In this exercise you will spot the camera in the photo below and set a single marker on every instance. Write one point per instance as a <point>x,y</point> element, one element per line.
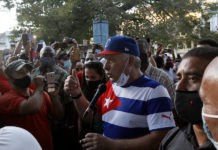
<point>167,50</point>
<point>69,40</point>
<point>96,46</point>
<point>23,56</point>
<point>60,45</point>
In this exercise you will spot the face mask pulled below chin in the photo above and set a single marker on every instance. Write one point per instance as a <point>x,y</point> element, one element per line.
<point>188,106</point>
<point>123,77</point>
<point>207,130</point>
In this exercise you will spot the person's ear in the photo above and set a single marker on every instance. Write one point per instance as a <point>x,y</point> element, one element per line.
<point>131,60</point>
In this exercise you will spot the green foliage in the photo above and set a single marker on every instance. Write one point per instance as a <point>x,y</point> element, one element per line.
<point>7,3</point>
<point>161,20</point>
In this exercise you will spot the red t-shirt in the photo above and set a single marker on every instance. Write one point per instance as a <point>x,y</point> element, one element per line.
<point>4,85</point>
<point>37,123</point>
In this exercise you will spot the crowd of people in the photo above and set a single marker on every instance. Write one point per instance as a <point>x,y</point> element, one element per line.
<point>136,99</point>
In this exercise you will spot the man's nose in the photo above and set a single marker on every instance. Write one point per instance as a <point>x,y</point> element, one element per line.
<point>181,85</point>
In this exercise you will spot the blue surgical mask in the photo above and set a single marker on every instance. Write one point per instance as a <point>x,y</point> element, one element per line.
<point>67,64</point>
<point>207,130</point>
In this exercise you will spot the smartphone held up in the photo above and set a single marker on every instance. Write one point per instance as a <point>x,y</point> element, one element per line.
<point>50,80</point>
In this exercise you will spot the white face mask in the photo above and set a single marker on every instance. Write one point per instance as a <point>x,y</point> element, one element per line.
<point>206,129</point>
<point>123,77</point>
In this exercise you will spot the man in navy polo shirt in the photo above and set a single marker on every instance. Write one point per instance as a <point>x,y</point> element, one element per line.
<point>136,111</point>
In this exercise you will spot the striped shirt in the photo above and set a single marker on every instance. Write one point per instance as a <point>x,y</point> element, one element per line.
<point>136,109</point>
<point>162,77</point>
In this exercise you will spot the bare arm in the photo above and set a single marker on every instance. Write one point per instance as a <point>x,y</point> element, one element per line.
<point>34,103</point>
<point>74,56</point>
<point>152,61</point>
<point>72,87</point>
<point>18,48</point>
<point>173,54</point>
<point>159,50</point>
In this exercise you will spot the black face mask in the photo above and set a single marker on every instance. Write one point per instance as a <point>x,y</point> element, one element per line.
<point>93,84</point>
<point>47,61</point>
<point>22,83</point>
<point>188,106</point>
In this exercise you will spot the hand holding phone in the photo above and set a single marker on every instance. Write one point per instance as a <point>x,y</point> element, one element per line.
<point>75,55</point>
<point>50,78</point>
<point>39,47</point>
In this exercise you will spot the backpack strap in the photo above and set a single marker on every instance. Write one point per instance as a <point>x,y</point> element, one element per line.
<point>168,138</point>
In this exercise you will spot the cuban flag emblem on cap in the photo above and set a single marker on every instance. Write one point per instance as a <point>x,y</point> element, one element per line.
<point>109,101</point>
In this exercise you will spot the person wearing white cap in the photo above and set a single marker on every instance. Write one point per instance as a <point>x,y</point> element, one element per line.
<point>15,138</point>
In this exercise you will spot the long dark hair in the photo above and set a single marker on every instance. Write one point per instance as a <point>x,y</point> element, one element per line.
<point>98,67</point>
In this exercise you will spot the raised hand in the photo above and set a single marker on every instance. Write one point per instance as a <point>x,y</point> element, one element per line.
<point>72,85</point>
